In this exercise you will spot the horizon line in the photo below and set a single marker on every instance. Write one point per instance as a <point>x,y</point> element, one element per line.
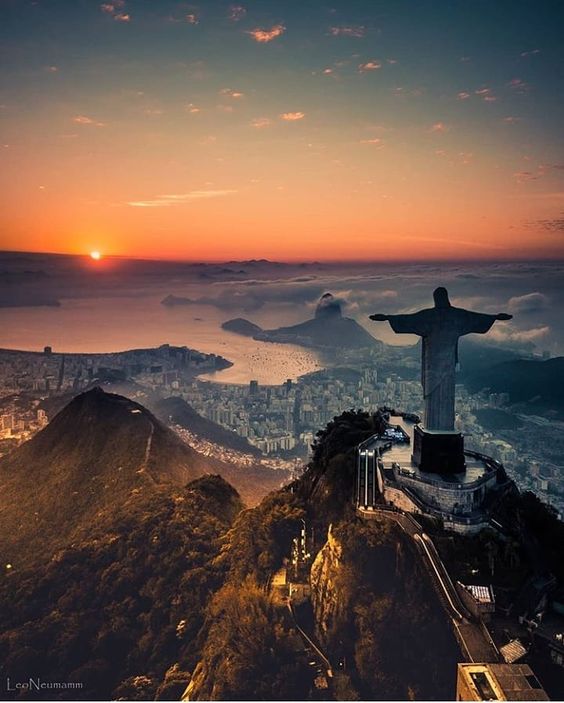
<point>306,261</point>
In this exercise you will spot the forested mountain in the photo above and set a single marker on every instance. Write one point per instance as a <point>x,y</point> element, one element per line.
<point>161,584</point>
<point>178,411</point>
<point>525,380</point>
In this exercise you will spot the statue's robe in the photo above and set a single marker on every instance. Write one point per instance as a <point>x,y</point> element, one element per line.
<point>440,329</point>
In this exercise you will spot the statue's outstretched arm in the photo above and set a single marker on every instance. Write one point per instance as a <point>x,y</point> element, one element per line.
<point>403,324</point>
<point>479,322</point>
<point>379,317</point>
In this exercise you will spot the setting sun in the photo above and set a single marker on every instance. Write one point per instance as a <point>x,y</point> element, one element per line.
<point>95,255</point>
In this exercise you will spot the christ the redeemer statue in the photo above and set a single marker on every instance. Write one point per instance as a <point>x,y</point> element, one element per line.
<point>440,327</point>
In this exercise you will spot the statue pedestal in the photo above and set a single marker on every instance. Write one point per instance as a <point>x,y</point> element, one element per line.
<point>438,452</point>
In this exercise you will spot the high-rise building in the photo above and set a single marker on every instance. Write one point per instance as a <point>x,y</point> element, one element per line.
<point>253,388</point>
<point>7,422</point>
<point>498,682</point>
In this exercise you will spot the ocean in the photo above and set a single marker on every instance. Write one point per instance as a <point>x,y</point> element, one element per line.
<point>120,323</point>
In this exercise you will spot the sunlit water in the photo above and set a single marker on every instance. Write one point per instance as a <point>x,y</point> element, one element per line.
<point>117,324</point>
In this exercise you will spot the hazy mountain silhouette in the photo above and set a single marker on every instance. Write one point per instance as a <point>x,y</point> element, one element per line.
<point>540,382</point>
<point>328,329</point>
<point>241,326</point>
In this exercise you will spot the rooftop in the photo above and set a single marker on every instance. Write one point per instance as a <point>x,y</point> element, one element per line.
<point>512,651</point>
<point>483,594</point>
<point>502,682</point>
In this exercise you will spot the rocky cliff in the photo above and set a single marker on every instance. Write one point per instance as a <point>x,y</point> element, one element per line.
<point>325,573</point>
<point>375,614</point>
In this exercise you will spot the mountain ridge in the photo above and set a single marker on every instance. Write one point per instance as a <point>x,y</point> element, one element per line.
<point>327,329</point>
<point>525,380</point>
<point>176,410</point>
<point>98,454</point>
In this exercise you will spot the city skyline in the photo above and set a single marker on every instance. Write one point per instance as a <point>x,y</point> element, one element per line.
<point>217,130</point>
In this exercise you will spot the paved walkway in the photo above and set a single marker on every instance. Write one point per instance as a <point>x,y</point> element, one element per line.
<point>473,637</point>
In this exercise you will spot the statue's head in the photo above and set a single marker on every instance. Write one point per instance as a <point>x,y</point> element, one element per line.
<point>440,296</point>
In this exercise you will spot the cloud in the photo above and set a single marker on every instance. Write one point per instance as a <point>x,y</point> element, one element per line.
<point>533,52</point>
<point>292,116</point>
<point>329,303</point>
<point>358,31</point>
<point>236,13</point>
<point>505,334</point>
<point>510,119</point>
<point>369,66</point>
<point>486,95</point>
<point>539,172</point>
<point>116,10</point>
<point>554,225</point>
<point>439,127</point>
<point>84,120</point>
<point>519,86</point>
<point>252,295</point>
<point>260,122</point>
<point>264,36</point>
<point>530,302</point>
<point>180,199</point>
<point>366,299</point>
<point>401,92</point>
<point>231,93</point>
<point>112,7</point>
<point>192,109</point>
<point>376,141</point>
<point>192,18</point>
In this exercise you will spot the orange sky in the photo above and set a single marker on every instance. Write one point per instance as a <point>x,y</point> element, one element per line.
<point>309,142</point>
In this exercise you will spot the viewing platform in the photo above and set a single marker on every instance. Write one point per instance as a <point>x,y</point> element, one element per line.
<point>386,473</point>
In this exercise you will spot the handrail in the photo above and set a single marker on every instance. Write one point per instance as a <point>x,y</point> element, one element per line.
<point>453,590</point>
<point>440,578</point>
<point>441,514</point>
<point>433,482</point>
<point>433,558</point>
